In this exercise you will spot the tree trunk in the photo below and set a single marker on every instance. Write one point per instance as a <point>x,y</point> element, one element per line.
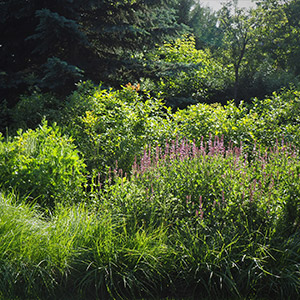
<point>236,85</point>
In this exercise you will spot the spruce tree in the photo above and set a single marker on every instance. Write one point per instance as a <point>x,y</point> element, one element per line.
<point>50,45</point>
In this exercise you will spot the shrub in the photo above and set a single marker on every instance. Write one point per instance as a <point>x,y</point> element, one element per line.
<point>235,124</point>
<point>262,123</point>
<point>110,126</point>
<point>43,165</point>
<point>278,117</point>
<point>190,75</point>
<point>32,109</point>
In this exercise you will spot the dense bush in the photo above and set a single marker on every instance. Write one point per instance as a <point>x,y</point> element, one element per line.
<point>43,165</point>
<point>190,75</point>
<point>262,123</point>
<point>32,109</point>
<point>112,127</point>
<point>277,117</point>
<point>180,214</point>
<point>235,124</point>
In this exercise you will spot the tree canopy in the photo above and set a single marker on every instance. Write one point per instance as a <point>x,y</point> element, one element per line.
<point>51,45</point>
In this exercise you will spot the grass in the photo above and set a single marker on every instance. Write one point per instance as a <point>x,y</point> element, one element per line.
<point>149,235</point>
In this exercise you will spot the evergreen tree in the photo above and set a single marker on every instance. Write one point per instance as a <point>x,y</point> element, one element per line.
<point>51,45</point>
<point>204,23</point>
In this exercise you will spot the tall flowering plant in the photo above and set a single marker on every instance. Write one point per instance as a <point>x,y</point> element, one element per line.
<point>211,183</point>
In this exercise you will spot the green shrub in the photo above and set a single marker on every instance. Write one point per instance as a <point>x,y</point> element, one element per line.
<point>43,165</point>
<point>278,117</point>
<point>114,126</point>
<point>190,75</point>
<point>261,124</point>
<point>234,124</point>
<point>32,109</point>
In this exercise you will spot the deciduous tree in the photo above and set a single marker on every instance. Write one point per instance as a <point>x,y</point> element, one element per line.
<point>239,26</point>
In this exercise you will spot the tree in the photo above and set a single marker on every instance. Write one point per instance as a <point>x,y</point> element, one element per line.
<point>201,21</point>
<point>204,23</point>
<point>282,33</point>
<point>239,26</point>
<point>51,45</point>
<point>183,10</point>
<point>190,75</point>
<point>37,38</point>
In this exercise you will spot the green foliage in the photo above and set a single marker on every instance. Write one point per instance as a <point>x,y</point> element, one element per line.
<point>58,74</point>
<point>240,36</point>
<point>234,124</point>
<point>112,127</point>
<point>193,217</point>
<point>52,28</point>
<point>281,33</point>
<point>76,251</point>
<point>32,109</point>
<point>205,25</point>
<point>202,22</point>
<point>191,75</point>
<point>167,186</point>
<point>43,165</point>
<point>264,122</point>
<point>36,255</point>
<point>51,45</point>
<point>226,216</point>
<point>278,117</point>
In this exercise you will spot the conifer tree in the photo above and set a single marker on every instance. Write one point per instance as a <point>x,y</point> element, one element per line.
<point>50,45</point>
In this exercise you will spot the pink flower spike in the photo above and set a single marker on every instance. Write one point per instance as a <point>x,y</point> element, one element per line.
<point>188,199</point>
<point>201,214</point>
<point>223,198</point>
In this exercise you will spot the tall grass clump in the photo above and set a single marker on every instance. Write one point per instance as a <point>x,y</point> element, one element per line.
<point>40,256</point>
<point>27,268</point>
<point>227,213</point>
<point>78,252</point>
